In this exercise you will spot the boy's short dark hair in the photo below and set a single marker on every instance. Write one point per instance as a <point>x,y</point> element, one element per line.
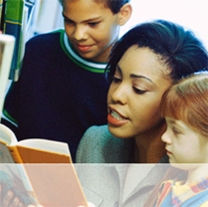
<point>113,5</point>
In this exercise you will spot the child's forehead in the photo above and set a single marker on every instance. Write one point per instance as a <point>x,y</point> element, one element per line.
<point>84,10</point>
<point>79,4</point>
<point>104,2</point>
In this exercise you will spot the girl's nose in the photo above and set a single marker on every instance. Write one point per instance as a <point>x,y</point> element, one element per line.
<point>166,136</point>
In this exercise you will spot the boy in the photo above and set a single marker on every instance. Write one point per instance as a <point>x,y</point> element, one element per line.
<point>62,88</point>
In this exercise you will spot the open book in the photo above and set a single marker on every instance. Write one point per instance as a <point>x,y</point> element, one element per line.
<point>31,150</point>
<point>51,180</point>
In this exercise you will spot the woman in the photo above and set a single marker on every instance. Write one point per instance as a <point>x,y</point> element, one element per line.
<point>143,65</point>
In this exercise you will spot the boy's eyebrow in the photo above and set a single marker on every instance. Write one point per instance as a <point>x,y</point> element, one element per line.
<point>88,20</point>
<point>65,17</point>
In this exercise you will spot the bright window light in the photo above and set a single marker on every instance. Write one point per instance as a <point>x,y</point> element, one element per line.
<point>191,14</point>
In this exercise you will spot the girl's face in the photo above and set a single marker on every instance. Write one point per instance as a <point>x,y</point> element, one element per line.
<point>183,144</point>
<point>135,93</point>
<point>91,28</point>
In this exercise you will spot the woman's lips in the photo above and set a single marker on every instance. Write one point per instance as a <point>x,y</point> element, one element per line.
<point>116,119</point>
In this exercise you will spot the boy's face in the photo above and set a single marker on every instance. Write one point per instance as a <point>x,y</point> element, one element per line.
<point>91,28</point>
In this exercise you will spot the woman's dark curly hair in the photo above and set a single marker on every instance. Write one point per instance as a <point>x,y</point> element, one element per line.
<point>180,49</point>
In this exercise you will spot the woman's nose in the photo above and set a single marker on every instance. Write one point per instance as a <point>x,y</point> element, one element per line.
<point>119,94</point>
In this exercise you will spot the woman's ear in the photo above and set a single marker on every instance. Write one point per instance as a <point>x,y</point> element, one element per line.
<point>124,14</point>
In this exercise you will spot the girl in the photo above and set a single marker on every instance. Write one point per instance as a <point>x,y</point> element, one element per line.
<point>186,138</point>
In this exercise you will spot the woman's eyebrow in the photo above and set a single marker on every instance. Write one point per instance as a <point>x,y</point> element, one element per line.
<point>141,76</point>
<point>134,75</point>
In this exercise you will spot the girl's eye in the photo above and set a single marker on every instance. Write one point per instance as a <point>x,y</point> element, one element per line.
<point>175,131</point>
<point>138,91</point>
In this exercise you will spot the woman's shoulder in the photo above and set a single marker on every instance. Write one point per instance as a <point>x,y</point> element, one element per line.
<point>98,145</point>
<point>91,144</point>
<point>97,130</point>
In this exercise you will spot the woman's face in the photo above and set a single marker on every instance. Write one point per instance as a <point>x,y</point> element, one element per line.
<point>135,93</point>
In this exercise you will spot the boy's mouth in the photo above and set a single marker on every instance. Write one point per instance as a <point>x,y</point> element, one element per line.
<point>84,48</point>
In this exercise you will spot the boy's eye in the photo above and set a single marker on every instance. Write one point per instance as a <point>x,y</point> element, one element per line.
<point>93,24</point>
<point>68,21</point>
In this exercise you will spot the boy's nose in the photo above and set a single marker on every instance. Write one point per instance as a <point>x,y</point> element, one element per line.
<point>80,33</point>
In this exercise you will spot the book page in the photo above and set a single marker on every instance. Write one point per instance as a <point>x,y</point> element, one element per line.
<point>7,136</point>
<point>5,155</point>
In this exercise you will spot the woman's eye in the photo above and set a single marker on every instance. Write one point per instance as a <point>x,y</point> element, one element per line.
<point>116,79</point>
<point>139,91</point>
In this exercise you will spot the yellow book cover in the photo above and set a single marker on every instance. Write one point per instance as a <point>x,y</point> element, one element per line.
<point>31,150</point>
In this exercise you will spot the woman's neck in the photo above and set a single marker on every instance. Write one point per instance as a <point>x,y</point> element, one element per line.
<point>149,147</point>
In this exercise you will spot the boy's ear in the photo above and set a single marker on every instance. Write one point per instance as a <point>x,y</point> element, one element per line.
<point>124,14</point>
